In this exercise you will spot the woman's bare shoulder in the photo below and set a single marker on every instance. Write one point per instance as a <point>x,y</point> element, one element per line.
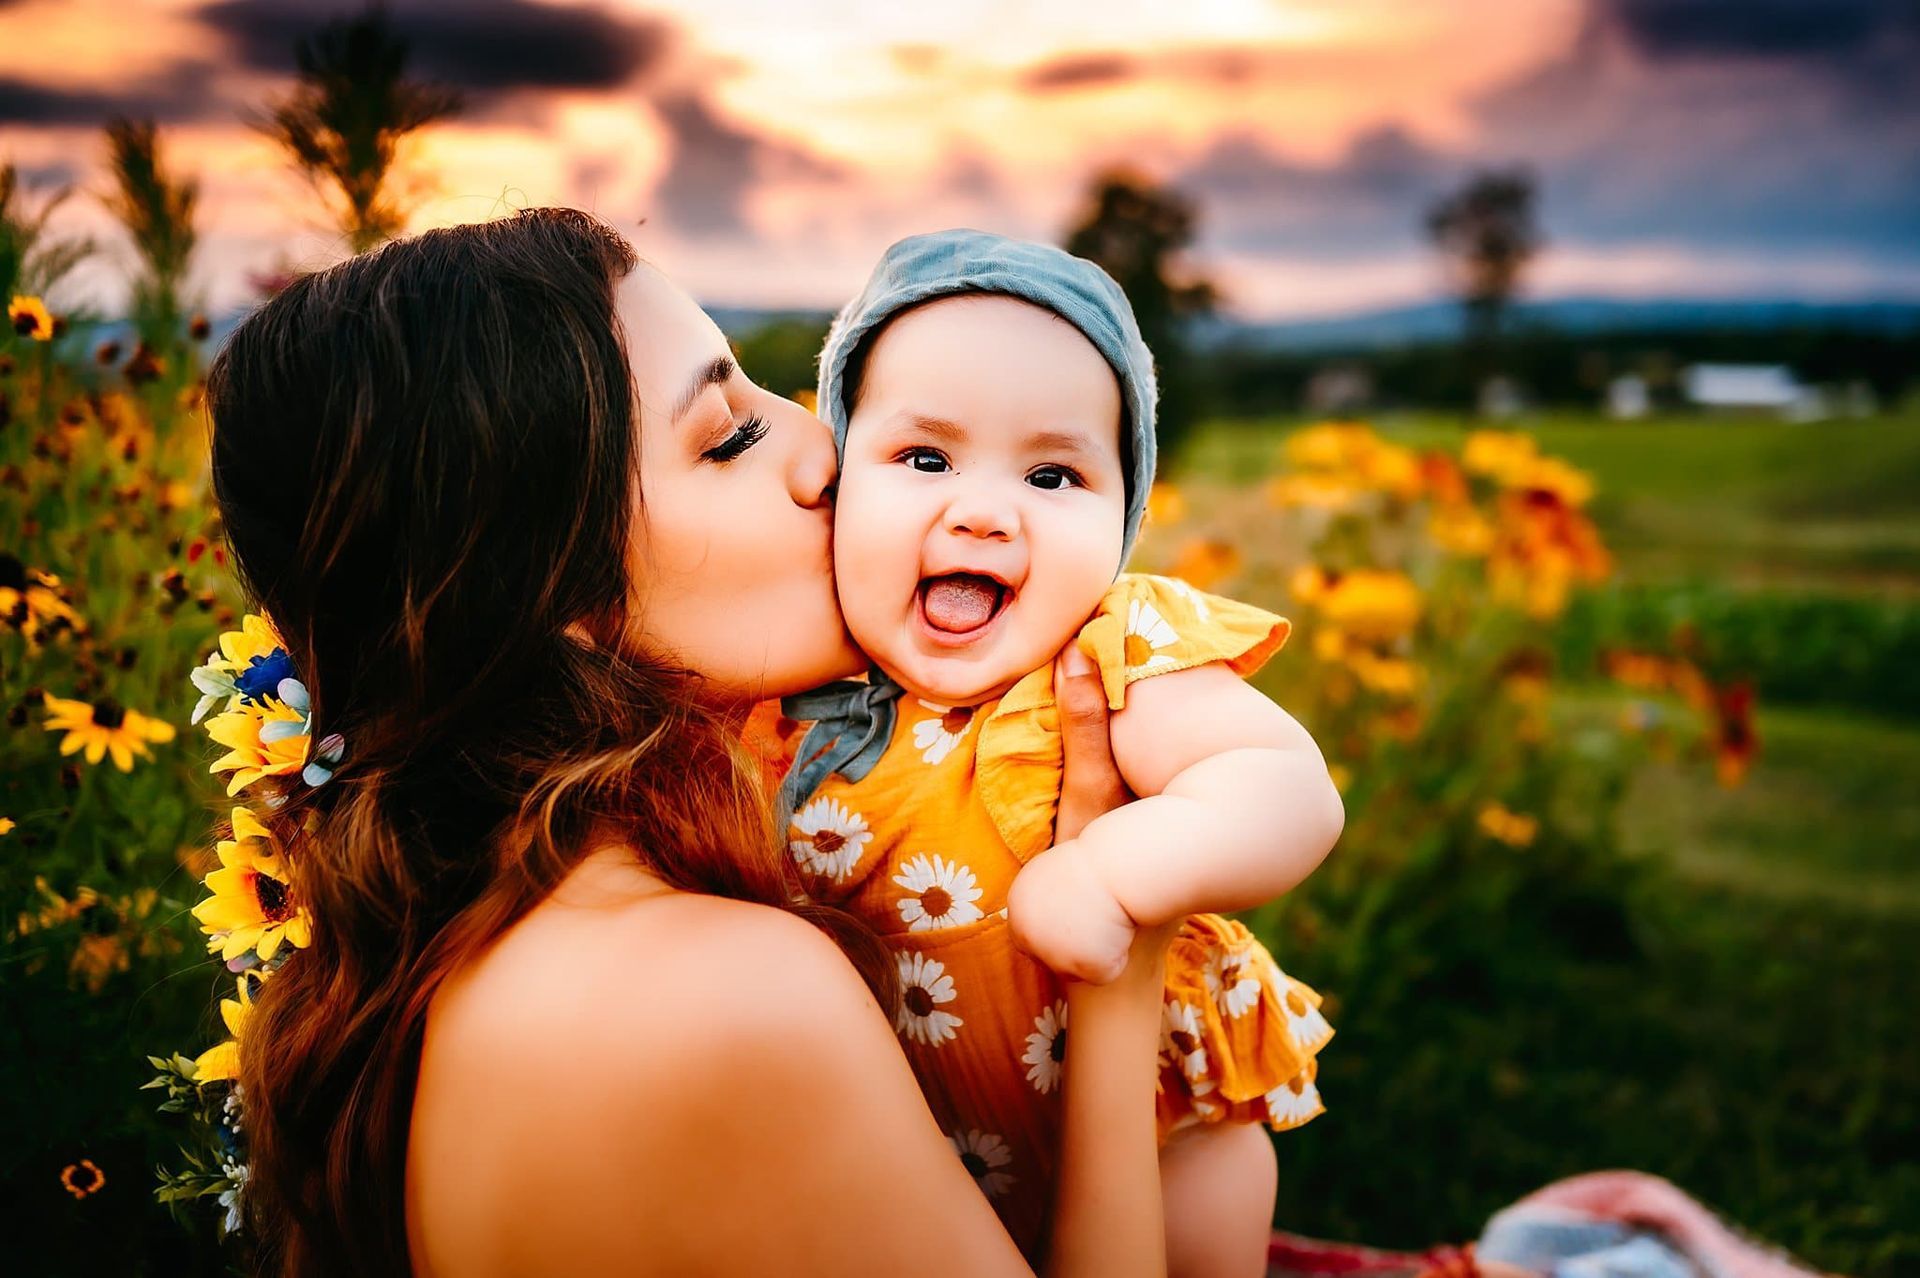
<point>665,1043</point>
<point>713,969</point>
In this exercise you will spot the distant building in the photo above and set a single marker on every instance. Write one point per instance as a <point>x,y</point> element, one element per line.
<point>1339,388</point>
<point>1500,399</point>
<point>1627,397</point>
<point>1752,388</point>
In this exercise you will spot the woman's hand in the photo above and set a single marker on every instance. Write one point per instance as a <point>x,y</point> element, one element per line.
<point>1059,909</point>
<point>1091,783</point>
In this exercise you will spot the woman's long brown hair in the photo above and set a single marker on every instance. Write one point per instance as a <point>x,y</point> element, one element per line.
<point>426,462</point>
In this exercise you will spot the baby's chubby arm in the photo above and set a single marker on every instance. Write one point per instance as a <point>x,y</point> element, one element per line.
<point>1236,809</point>
<point>1236,803</point>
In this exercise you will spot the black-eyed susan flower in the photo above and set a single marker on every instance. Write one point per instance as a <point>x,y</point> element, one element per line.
<point>31,602</point>
<point>30,318</point>
<point>82,1178</point>
<point>252,906</point>
<point>6,825</point>
<point>222,1061</point>
<point>105,727</point>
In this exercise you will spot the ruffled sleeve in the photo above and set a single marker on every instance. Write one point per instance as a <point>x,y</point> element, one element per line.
<point>1144,626</point>
<point>1148,626</point>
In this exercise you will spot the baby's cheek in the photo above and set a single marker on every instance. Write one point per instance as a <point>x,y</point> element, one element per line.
<point>874,553</point>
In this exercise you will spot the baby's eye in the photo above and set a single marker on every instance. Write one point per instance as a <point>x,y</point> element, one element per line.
<point>1054,478</point>
<point>925,460</point>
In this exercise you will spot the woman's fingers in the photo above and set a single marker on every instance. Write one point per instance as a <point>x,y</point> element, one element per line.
<point>1092,783</point>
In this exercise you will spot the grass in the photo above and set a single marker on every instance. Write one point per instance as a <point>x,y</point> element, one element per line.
<point>1753,1041</point>
<point>1822,506</point>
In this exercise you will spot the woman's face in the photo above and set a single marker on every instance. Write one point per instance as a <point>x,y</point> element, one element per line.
<point>732,559</point>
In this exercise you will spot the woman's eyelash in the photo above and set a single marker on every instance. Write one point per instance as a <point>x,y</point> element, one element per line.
<point>750,432</point>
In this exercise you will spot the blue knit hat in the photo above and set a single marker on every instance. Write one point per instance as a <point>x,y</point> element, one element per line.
<point>948,263</point>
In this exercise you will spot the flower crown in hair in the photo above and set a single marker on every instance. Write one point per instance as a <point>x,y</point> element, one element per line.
<point>253,918</point>
<point>268,723</point>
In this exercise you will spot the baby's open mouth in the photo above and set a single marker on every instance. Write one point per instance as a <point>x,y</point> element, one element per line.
<point>960,603</point>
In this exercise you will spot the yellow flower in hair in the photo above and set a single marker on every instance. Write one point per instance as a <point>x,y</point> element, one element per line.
<point>105,727</point>
<point>29,318</point>
<point>223,1060</point>
<point>249,755</point>
<point>252,906</point>
<point>255,638</point>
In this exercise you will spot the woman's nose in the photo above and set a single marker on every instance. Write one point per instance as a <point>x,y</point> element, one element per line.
<point>814,465</point>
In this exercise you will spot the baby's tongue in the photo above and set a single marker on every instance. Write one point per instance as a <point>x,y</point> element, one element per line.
<point>959,604</point>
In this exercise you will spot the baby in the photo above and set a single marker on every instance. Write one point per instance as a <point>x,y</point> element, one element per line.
<point>994,403</point>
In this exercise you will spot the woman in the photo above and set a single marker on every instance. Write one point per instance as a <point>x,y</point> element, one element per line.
<point>535,544</point>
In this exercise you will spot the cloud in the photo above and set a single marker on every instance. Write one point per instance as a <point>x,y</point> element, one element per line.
<point>716,164</point>
<point>1698,121</point>
<point>1216,65</point>
<point>1079,71</point>
<point>1254,199</point>
<point>1796,29</point>
<point>479,45</point>
<point>181,94</point>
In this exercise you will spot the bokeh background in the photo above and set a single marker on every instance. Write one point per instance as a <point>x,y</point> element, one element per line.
<point>1552,362</point>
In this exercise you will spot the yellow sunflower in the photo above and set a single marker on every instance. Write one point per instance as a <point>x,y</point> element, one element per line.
<point>252,906</point>
<point>29,318</point>
<point>249,757</point>
<point>104,727</point>
<point>223,1059</point>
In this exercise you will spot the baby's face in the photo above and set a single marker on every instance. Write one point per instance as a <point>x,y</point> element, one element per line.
<point>981,500</point>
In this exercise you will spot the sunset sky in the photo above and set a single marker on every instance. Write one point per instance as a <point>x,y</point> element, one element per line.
<point>1685,148</point>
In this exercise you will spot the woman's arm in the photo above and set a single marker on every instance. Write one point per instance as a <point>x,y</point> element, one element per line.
<point>1107,1204</point>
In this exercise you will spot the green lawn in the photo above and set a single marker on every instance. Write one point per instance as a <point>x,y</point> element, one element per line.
<point>1755,1040</point>
<point>1818,506</point>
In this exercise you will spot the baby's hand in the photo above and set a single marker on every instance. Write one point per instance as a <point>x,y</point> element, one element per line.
<point>1062,912</point>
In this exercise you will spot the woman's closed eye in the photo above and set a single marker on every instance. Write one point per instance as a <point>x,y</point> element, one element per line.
<point>743,437</point>
<point>1053,479</point>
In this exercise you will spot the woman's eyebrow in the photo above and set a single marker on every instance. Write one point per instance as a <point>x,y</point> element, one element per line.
<point>716,372</point>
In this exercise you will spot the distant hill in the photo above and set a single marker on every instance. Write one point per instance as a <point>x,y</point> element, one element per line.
<point>1440,321</point>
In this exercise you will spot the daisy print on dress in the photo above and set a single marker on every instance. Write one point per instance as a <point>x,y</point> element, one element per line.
<point>935,738</point>
<point>941,893</point>
<point>983,1154</point>
<point>1232,983</point>
<point>828,837</point>
<point>1195,600</point>
<point>1296,1100</point>
<point>1047,1048</point>
<point>924,986</point>
<point>1147,634</point>
<point>1309,1029</point>
<point>1180,1040</point>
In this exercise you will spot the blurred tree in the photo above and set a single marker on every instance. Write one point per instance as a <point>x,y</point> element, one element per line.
<point>1487,231</point>
<point>30,261</point>
<point>1137,231</point>
<point>345,120</point>
<point>157,209</point>
<point>783,354</point>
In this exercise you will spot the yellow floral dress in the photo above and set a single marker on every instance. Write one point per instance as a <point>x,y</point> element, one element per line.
<point>925,847</point>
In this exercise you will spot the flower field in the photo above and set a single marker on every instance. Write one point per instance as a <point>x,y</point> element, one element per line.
<point>1571,923</point>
